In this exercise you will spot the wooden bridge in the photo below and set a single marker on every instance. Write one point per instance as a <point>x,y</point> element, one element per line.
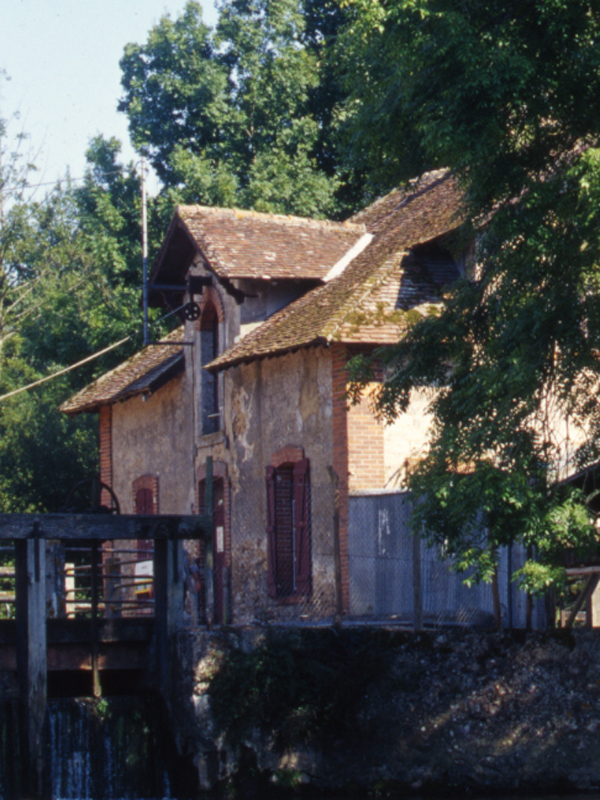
<point>95,637</point>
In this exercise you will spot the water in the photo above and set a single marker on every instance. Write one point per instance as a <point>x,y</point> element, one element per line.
<point>120,747</point>
<point>117,747</point>
<point>106,749</point>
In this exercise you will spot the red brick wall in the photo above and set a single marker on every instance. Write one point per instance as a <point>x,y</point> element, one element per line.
<point>106,459</point>
<point>340,457</point>
<point>287,455</point>
<point>365,446</point>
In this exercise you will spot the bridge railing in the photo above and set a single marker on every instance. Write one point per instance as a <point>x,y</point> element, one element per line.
<point>30,534</point>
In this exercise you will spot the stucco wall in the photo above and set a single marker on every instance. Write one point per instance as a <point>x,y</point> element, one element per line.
<point>405,439</point>
<point>154,437</point>
<point>268,405</point>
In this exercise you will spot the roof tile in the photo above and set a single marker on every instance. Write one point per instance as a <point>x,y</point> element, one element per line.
<point>138,375</point>
<point>429,208</point>
<point>246,244</point>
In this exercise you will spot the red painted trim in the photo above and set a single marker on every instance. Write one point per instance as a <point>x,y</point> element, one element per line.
<point>149,482</point>
<point>106,455</point>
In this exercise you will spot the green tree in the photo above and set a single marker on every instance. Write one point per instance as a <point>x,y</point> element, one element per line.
<point>503,93</point>
<point>69,286</point>
<point>243,115</point>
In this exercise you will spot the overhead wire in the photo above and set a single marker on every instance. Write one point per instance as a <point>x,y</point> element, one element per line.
<point>87,359</point>
<point>56,182</point>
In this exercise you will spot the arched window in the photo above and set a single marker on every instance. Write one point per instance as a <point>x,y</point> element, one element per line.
<point>145,501</point>
<point>209,349</point>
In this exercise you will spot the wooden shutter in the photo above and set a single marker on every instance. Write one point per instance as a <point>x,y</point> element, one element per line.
<point>302,526</point>
<point>271,533</point>
<point>144,501</point>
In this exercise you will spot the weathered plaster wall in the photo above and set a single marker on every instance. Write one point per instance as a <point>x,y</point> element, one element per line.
<point>405,439</point>
<point>268,405</point>
<point>154,437</point>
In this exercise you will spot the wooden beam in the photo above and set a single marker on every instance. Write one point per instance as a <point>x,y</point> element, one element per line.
<point>574,571</point>
<point>30,574</point>
<point>104,526</point>
<point>588,588</point>
<point>168,605</point>
<point>417,583</point>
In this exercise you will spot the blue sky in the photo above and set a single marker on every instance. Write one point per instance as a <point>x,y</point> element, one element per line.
<point>62,57</point>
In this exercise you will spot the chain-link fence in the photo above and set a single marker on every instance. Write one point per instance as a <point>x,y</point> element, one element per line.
<point>394,575</point>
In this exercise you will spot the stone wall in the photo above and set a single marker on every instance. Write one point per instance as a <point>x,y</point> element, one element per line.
<point>269,405</point>
<point>375,709</point>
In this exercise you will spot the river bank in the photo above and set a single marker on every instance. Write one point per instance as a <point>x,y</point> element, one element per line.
<point>379,709</point>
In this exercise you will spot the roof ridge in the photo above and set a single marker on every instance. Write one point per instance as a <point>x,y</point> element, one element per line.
<point>406,194</point>
<point>282,219</point>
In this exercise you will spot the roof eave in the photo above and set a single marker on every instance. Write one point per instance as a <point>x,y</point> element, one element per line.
<point>174,369</point>
<point>319,341</point>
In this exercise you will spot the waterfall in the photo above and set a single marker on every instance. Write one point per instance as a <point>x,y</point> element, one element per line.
<point>105,749</point>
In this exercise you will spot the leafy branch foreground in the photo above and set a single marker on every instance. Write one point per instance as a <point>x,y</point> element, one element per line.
<point>500,93</point>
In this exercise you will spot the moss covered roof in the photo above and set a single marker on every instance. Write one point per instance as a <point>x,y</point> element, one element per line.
<point>370,300</point>
<point>143,373</point>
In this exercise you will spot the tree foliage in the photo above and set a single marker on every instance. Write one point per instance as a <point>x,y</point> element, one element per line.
<point>243,115</point>
<point>69,266</point>
<point>503,94</point>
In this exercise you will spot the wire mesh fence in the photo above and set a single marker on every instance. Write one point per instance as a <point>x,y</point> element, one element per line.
<point>395,576</point>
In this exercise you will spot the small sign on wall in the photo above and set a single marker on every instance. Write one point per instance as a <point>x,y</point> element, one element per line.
<point>220,535</point>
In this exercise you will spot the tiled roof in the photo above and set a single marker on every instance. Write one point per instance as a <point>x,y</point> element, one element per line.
<point>368,301</point>
<point>143,373</point>
<point>246,244</point>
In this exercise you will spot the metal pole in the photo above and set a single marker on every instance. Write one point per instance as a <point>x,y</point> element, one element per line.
<point>145,252</point>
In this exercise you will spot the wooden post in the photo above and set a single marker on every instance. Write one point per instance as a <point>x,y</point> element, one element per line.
<point>226,596</point>
<point>30,591</point>
<point>94,621</point>
<point>168,604</point>
<point>209,559</point>
<point>496,600</point>
<point>417,582</point>
<point>529,598</point>
<point>337,552</point>
<point>509,586</point>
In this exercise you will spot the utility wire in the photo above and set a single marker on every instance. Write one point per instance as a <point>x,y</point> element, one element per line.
<point>66,369</point>
<point>86,360</point>
<point>66,179</point>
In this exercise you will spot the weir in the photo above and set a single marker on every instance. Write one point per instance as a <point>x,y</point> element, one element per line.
<point>99,640</point>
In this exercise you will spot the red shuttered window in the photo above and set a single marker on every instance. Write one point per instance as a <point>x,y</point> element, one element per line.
<point>288,530</point>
